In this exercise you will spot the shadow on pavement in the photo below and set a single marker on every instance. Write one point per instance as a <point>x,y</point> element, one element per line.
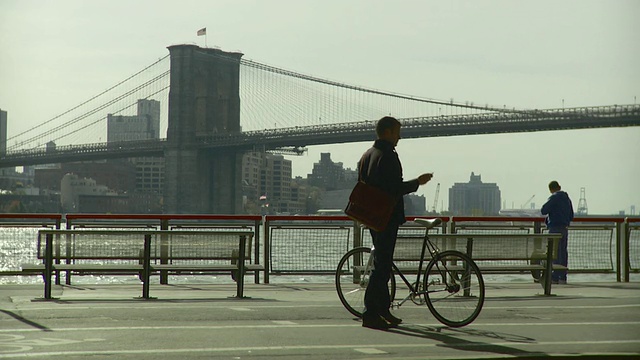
<point>25,321</point>
<point>91,294</point>
<point>451,338</point>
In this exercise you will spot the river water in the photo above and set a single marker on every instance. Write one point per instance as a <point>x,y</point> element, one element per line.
<point>18,246</point>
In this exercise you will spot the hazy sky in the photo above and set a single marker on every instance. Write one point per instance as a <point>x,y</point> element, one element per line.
<point>56,54</point>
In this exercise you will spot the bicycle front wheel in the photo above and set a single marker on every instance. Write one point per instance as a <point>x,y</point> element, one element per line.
<point>454,288</point>
<point>352,279</point>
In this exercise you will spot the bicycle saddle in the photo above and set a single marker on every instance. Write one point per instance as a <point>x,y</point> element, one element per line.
<point>428,223</point>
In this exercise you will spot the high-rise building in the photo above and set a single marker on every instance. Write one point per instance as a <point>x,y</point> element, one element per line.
<point>266,179</point>
<point>143,126</point>
<point>275,179</point>
<point>9,178</point>
<point>251,170</point>
<point>3,142</point>
<point>3,132</point>
<point>415,204</point>
<point>151,109</point>
<point>330,175</point>
<point>474,198</point>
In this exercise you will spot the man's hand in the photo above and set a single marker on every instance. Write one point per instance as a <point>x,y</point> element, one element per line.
<point>424,178</point>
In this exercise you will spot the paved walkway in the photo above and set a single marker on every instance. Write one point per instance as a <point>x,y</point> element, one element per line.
<point>307,321</point>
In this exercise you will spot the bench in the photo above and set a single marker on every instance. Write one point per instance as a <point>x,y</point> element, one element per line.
<point>493,253</point>
<point>170,222</point>
<point>143,253</point>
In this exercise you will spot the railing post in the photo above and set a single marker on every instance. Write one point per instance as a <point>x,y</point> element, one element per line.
<point>537,243</point>
<point>626,239</point>
<point>357,235</point>
<point>58,224</point>
<point>241,259</point>
<point>256,247</point>
<point>537,227</point>
<point>48,265</point>
<point>619,253</point>
<point>265,221</point>
<point>551,246</point>
<point>146,266</point>
<point>452,230</point>
<point>467,291</point>
<point>470,247</point>
<point>622,250</point>
<point>67,274</point>
<point>70,249</point>
<point>164,251</point>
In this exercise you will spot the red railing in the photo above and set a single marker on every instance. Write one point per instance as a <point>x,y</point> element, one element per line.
<point>618,226</point>
<point>627,228</point>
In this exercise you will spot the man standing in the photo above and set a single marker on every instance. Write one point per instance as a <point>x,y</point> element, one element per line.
<point>380,167</point>
<point>559,211</point>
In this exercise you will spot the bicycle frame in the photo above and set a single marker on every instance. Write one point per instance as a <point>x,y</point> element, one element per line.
<point>413,291</point>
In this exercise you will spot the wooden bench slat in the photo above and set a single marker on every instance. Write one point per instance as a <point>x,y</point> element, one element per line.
<point>193,267</point>
<point>482,268</point>
<point>32,267</point>
<point>98,267</point>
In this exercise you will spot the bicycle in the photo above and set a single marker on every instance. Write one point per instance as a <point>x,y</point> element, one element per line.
<point>452,286</point>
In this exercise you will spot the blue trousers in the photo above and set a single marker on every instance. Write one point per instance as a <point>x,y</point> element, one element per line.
<point>563,255</point>
<point>376,298</point>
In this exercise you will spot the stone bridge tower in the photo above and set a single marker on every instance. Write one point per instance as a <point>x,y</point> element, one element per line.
<point>204,98</point>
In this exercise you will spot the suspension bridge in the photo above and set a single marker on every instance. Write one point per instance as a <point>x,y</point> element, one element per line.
<point>215,106</point>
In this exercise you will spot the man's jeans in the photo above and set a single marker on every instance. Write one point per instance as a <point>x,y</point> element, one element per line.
<point>376,299</point>
<point>563,256</point>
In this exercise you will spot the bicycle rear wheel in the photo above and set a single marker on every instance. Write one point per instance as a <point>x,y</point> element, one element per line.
<point>454,288</point>
<point>352,278</point>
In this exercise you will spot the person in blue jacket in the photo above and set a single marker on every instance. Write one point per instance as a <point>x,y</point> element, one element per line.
<point>559,211</point>
<point>380,167</point>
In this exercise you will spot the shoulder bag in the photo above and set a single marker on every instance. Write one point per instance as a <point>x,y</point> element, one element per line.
<point>370,206</point>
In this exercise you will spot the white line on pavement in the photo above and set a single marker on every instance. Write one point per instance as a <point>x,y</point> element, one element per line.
<point>267,326</point>
<point>300,347</point>
<point>209,306</point>
<point>370,351</point>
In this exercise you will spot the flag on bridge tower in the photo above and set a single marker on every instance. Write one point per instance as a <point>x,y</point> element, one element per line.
<point>201,32</point>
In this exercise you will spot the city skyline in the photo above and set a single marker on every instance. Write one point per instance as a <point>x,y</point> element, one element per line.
<point>567,54</point>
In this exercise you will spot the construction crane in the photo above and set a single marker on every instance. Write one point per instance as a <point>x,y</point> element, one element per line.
<point>435,199</point>
<point>582,203</point>
<point>528,201</point>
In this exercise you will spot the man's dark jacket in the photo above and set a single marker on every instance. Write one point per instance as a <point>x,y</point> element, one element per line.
<point>559,209</point>
<point>380,167</point>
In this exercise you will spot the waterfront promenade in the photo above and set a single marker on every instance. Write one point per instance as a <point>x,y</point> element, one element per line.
<point>307,321</point>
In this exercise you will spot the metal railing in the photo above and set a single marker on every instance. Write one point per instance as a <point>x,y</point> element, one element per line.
<point>596,244</point>
<point>313,245</point>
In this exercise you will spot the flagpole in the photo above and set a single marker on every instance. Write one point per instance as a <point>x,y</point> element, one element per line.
<point>201,32</point>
